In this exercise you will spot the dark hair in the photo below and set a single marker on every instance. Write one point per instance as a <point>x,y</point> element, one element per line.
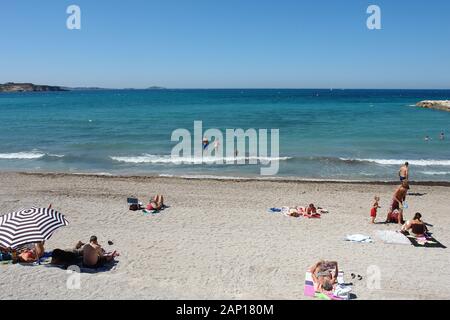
<point>63,258</point>
<point>327,286</point>
<point>417,216</point>
<point>407,163</point>
<point>57,253</point>
<point>93,238</point>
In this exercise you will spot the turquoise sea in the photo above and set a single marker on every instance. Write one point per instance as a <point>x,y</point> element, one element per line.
<point>324,134</point>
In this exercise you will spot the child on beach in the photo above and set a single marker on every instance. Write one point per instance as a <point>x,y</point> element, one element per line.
<point>375,207</point>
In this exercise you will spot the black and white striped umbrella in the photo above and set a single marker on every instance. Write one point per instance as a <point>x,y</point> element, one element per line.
<point>29,226</point>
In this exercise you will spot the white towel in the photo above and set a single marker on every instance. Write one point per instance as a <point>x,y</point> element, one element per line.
<point>359,238</point>
<point>393,237</point>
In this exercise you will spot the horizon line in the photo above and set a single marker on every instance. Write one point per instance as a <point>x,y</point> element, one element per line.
<point>158,87</point>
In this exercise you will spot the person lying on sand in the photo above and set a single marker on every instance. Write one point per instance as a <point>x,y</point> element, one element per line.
<point>324,274</point>
<point>157,203</point>
<point>309,211</point>
<point>31,253</point>
<point>68,257</point>
<point>416,225</point>
<point>94,256</point>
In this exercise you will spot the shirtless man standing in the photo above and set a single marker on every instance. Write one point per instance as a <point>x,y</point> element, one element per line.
<point>94,255</point>
<point>397,203</point>
<point>403,173</point>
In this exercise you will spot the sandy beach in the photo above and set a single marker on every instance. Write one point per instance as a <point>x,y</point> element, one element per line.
<point>217,240</point>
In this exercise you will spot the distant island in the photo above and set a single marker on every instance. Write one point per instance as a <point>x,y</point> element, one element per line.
<point>443,105</point>
<point>28,87</point>
<point>155,88</point>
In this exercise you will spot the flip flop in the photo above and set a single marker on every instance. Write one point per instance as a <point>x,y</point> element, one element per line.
<point>353,276</point>
<point>360,277</point>
<point>110,242</point>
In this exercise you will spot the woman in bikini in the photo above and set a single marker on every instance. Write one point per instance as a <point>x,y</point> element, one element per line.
<point>157,203</point>
<point>324,274</point>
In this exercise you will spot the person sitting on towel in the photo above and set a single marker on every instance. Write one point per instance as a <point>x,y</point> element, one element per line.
<point>416,225</point>
<point>157,203</point>
<point>94,255</point>
<point>311,210</point>
<point>324,274</point>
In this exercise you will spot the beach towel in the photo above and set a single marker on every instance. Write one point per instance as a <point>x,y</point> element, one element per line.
<point>150,212</point>
<point>274,210</point>
<point>427,241</point>
<point>392,237</point>
<point>313,216</point>
<point>45,259</point>
<point>106,267</point>
<point>359,238</point>
<point>341,292</point>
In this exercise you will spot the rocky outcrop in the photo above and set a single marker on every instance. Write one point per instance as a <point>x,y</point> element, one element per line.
<point>27,87</point>
<point>435,104</point>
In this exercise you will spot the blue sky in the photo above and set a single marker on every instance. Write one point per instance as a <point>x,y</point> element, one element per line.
<point>227,44</point>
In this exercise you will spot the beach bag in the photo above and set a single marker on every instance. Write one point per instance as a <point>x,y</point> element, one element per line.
<point>134,207</point>
<point>342,291</point>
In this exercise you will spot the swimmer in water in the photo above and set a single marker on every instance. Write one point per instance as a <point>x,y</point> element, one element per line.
<point>205,143</point>
<point>216,144</point>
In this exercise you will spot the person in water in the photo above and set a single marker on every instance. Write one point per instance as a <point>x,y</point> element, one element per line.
<point>375,207</point>
<point>216,145</point>
<point>205,143</point>
<point>416,225</point>
<point>403,173</point>
<point>395,213</point>
<point>324,274</point>
<point>442,136</point>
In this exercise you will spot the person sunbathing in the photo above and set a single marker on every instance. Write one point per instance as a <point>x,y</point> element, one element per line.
<point>30,254</point>
<point>157,203</point>
<point>94,256</point>
<point>68,257</point>
<point>416,225</point>
<point>294,212</point>
<point>311,210</point>
<point>324,274</point>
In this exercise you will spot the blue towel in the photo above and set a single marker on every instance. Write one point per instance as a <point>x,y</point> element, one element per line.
<point>274,210</point>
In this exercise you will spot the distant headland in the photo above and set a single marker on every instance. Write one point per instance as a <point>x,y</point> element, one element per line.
<point>443,105</point>
<point>28,87</point>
